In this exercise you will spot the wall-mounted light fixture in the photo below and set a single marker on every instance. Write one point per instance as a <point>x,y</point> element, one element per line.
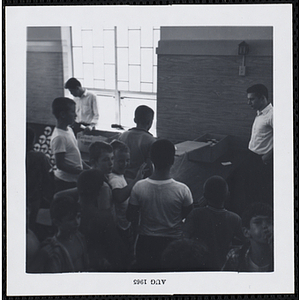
<point>243,50</point>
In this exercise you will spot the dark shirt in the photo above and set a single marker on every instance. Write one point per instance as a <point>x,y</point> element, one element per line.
<point>105,247</point>
<point>217,229</point>
<point>38,179</point>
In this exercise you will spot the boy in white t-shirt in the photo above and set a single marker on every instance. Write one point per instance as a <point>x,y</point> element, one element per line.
<point>121,190</point>
<point>64,145</point>
<point>162,204</point>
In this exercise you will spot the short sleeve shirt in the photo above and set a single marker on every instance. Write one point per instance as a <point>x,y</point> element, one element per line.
<point>161,204</point>
<point>64,141</point>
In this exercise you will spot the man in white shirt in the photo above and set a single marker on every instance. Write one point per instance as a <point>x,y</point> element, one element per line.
<point>260,160</point>
<point>86,106</point>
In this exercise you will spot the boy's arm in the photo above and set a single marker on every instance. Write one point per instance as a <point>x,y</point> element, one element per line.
<point>105,197</point>
<point>186,210</point>
<point>268,157</point>
<point>61,164</point>
<point>187,203</point>
<point>188,227</point>
<point>122,194</point>
<point>132,213</point>
<point>85,165</point>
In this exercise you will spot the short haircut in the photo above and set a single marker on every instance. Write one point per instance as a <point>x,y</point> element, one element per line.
<point>254,210</point>
<point>72,83</point>
<point>185,255</point>
<point>89,183</point>
<point>259,90</point>
<point>97,149</point>
<point>119,146</point>
<point>30,138</point>
<point>61,104</point>
<point>143,114</point>
<point>63,206</point>
<point>162,153</point>
<point>215,190</point>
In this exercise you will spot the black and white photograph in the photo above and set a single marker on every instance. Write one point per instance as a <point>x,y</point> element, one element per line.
<point>149,150</point>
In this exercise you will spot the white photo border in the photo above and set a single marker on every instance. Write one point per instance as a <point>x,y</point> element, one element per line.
<point>281,281</point>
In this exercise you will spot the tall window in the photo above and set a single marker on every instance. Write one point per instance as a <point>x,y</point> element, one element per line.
<point>120,66</point>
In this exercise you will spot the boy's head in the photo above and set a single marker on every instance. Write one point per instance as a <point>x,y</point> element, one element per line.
<point>185,255</point>
<point>259,90</point>
<point>121,156</point>
<point>65,214</point>
<point>257,222</point>
<point>101,157</point>
<point>63,108</point>
<point>74,86</point>
<point>216,191</point>
<point>143,116</point>
<point>162,154</point>
<point>257,96</point>
<point>89,184</point>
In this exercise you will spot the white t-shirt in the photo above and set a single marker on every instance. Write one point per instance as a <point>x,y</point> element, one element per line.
<point>261,141</point>
<point>161,203</point>
<point>118,182</point>
<point>64,141</point>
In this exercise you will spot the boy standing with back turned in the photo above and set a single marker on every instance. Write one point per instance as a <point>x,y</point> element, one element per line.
<point>139,141</point>
<point>162,203</point>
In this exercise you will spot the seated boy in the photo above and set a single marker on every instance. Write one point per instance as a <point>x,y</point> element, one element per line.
<point>66,251</point>
<point>64,145</point>
<point>101,158</point>
<point>139,141</point>
<point>213,224</point>
<point>106,250</point>
<point>257,254</point>
<point>162,203</point>
<point>121,190</point>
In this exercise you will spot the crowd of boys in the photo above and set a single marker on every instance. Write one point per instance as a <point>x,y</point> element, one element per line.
<point>122,211</point>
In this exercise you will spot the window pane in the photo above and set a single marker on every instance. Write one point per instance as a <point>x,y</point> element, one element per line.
<point>122,36</point>
<point>134,78</point>
<point>77,62</point>
<point>122,64</point>
<point>99,84</point>
<point>109,46</point>
<point>146,36</point>
<point>134,46</point>
<point>146,65</point>
<point>128,106</point>
<point>87,46</point>
<point>88,75</point>
<point>109,76</point>
<point>98,37</point>
<point>98,63</point>
<point>106,108</point>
